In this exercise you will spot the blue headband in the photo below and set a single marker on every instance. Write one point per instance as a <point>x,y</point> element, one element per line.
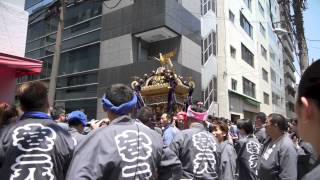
<point>122,109</point>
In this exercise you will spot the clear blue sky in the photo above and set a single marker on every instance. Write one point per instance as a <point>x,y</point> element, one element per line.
<point>312,28</point>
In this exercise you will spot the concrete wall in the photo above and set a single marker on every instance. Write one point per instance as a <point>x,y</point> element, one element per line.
<point>108,7</point>
<point>13,28</point>
<point>193,6</point>
<point>190,54</point>
<point>144,15</point>
<point>116,52</point>
<point>223,99</point>
<point>17,3</point>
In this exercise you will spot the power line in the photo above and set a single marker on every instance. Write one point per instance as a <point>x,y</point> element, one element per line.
<point>111,7</point>
<point>315,47</point>
<point>313,39</point>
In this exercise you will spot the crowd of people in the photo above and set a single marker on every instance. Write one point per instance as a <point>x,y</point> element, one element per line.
<point>37,142</point>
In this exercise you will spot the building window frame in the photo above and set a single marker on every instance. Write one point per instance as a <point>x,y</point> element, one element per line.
<point>247,55</point>
<point>261,9</point>
<point>263,30</point>
<point>273,76</point>
<point>266,98</point>
<point>275,99</point>
<point>264,52</point>
<point>265,75</point>
<point>209,47</point>
<point>249,88</point>
<point>231,16</point>
<point>210,93</point>
<point>233,52</point>
<point>234,84</point>
<point>207,5</point>
<point>248,3</point>
<point>246,26</point>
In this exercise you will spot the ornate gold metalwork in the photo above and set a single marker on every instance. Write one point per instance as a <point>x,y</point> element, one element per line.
<point>156,86</point>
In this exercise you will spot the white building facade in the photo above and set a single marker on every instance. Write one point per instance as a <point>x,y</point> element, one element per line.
<point>247,46</point>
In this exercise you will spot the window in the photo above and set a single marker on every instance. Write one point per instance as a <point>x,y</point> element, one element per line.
<point>275,99</point>
<point>263,52</point>
<point>213,2</point>
<point>86,91</point>
<point>233,52</point>
<point>83,39</point>
<point>290,106</point>
<point>208,47</point>
<point>207,5</point>
<point>210,93</point>
<point>265,98</point>
<point>231,16</point>
<point>247,55</point>
<point>82,12</point>
<point>234,84</point>
<point>249,88</point>
<point>246,26</point>
<point>261,9</point>
<point>248,3</point>
<point>77,79</point>
<point>265,75</point>
<point>272,55</point>
<point>82,59</point>
<point>279,62</point>
<point>262,30</point>
<point>89,106</point>
<point>273,76</point>
<point>80,26</point>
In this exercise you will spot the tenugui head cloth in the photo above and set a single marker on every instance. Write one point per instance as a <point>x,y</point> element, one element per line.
<point>121,109</point>
<point>200,116</point>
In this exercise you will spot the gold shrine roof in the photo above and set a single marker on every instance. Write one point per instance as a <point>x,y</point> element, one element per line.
<point>158,84</point>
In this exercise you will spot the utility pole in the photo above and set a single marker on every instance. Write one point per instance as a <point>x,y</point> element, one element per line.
<point>298,7</point>
<point>56,56</point>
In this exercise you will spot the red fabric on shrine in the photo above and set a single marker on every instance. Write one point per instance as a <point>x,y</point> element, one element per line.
<point>22,66</point>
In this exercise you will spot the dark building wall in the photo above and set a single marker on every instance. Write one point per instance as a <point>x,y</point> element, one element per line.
<point>77,82</point>
<point>153,49</point>
<point>146,15</point>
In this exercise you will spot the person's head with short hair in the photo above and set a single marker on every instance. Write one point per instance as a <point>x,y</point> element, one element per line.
<point>165,119</point>
<point>210,118</point>
<point>145,115</point>
<point>33,96</point>
<point>276,125</point>
<point>77,120</point>
<point>261,118</point>
<point>118,100</point>
<point>8,114</point>
<point>59,114</point>
<point>293,125</point>
<point>220,131</point>
<point>245,126</point>
<point>307,106</point>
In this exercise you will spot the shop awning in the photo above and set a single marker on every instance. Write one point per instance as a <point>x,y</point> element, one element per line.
<point>248,99</point>
<point>22,66</point>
